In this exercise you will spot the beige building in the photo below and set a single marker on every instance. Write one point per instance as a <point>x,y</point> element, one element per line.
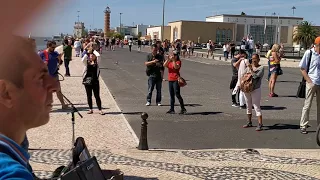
<point>156,32</point>
<point>201,32</point>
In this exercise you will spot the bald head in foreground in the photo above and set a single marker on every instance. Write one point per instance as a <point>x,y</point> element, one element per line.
<point>26,99</point>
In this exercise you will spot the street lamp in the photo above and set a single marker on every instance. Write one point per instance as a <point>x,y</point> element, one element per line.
<point>78,16</point>
<point>120,23</point>
<point>162,27</point>
<point>293,8</point>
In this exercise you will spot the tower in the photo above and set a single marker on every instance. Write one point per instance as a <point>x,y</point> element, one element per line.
<point>107,13</point>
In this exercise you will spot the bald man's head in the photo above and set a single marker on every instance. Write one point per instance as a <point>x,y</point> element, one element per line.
<point>15,59</point>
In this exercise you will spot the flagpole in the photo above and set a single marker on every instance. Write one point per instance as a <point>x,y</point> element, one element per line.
<point>265,28</point>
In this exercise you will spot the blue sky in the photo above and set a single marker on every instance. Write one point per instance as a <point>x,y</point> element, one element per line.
<point>62,15</point>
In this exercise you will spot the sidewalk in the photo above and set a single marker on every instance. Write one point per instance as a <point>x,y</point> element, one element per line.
<point>112,141</point>
<point>202,57</point>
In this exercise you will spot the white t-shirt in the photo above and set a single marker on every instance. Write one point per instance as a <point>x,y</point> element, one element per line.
<point>130,42</point>
<point>225,48</point>
<point>251,44</point>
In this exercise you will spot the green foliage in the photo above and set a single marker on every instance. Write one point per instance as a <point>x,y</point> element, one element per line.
<point>305,34</point>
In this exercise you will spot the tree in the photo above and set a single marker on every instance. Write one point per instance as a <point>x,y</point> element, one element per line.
<point>243,13</point>
<point>85,33</point>
<point>305,34</point>
<point>115,35</point>
<point>139,35</point>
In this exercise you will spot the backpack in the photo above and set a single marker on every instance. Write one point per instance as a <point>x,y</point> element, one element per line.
<point>246,83</point>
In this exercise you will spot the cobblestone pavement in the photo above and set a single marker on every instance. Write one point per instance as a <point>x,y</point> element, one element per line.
<point>200,56</point>
<point>112,141</point>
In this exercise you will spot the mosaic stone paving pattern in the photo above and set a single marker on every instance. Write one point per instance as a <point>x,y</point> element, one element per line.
<point>61,157</point>
<point>243,156</point>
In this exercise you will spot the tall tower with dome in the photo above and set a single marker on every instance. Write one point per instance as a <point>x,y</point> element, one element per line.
<point>107,13</point>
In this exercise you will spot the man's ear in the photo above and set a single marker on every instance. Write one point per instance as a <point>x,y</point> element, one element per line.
<point>5,96</point>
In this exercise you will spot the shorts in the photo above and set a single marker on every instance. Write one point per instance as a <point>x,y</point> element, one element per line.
<point>233,82</point>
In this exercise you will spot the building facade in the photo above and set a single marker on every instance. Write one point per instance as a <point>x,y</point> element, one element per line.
<point>138,30</point>
<point>266,29</point>
<point>156,32</point>
<point>201,32</point>
<point>78,29</point>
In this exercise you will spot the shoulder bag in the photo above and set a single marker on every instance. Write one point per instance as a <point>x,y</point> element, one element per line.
<point>301,93</point>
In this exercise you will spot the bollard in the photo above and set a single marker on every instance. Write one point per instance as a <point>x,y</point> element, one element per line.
<point>207,56</point>
<point>143,142</point>
<point>220,58</point>
<point>212,56</point>
<point>202,55</point>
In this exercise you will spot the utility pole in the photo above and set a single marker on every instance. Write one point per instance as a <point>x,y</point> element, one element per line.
<point>162,27</point>
<point>120,23</point>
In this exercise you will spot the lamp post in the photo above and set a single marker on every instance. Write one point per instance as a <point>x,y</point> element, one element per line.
<point>120,22</point>
<point>273,14</point>
<point>78,16</point>
<point>293,8</point>
<point>162,27</point>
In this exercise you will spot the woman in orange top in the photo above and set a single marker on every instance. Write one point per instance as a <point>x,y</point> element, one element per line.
<point>173,64</point>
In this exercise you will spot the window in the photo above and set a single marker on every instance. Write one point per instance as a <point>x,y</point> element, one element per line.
<point>218,35</point>
<point>223,36</point>
<point>254,20</point>
<point>228,19</point>
<point>245,20</point>
<point>288,21</point>
<point>257,32</point>
<point>229,35</point>
<point>237,19</point>
<point>280,21</point>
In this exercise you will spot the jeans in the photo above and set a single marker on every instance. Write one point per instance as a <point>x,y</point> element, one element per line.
<point>174,90</point>
<point>66,65</point>
<point>95,87</point>
<point>253,98</point>
<point>153,81</point>
<point>250,51</point>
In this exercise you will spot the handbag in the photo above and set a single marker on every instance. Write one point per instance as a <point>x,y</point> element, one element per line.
<point>301,93</point>
<point>246,84</point>
<point>87,81</point>
<point>181,81</point>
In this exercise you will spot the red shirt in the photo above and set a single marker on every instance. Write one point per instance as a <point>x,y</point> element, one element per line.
<point>173,73</point>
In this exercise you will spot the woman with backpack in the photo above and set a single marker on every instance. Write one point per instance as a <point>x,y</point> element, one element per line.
<point>250,85</point>
<point>90,81</point>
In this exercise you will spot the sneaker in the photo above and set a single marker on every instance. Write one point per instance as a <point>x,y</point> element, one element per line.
<point>159,104</point>
<point>303,131</point>
<point>183,111</point>
<point>148,104</point>
<point>235,105</point>
<point>171,112</point>
<point>259,128</point>
<point>249,124</point>
<point>243,107</point>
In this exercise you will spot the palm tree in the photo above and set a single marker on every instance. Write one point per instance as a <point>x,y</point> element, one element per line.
<point>305,34</point>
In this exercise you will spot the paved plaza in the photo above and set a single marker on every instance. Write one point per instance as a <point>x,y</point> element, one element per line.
<point>207,143</point>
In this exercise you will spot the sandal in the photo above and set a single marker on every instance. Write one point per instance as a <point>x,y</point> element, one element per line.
<point>101,113</point>
<point>90,112</point>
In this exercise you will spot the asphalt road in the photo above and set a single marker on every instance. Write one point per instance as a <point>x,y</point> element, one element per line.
<point>211,121</point>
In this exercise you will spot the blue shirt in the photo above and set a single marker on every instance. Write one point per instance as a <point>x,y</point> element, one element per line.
<point>52,62</point>
<point>314,70</point>
<point>15,165</point>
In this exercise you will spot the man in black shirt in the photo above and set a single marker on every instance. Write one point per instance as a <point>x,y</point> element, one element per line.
<point>154,65</point>
<point>233,49</point>
<point>139,45</point>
